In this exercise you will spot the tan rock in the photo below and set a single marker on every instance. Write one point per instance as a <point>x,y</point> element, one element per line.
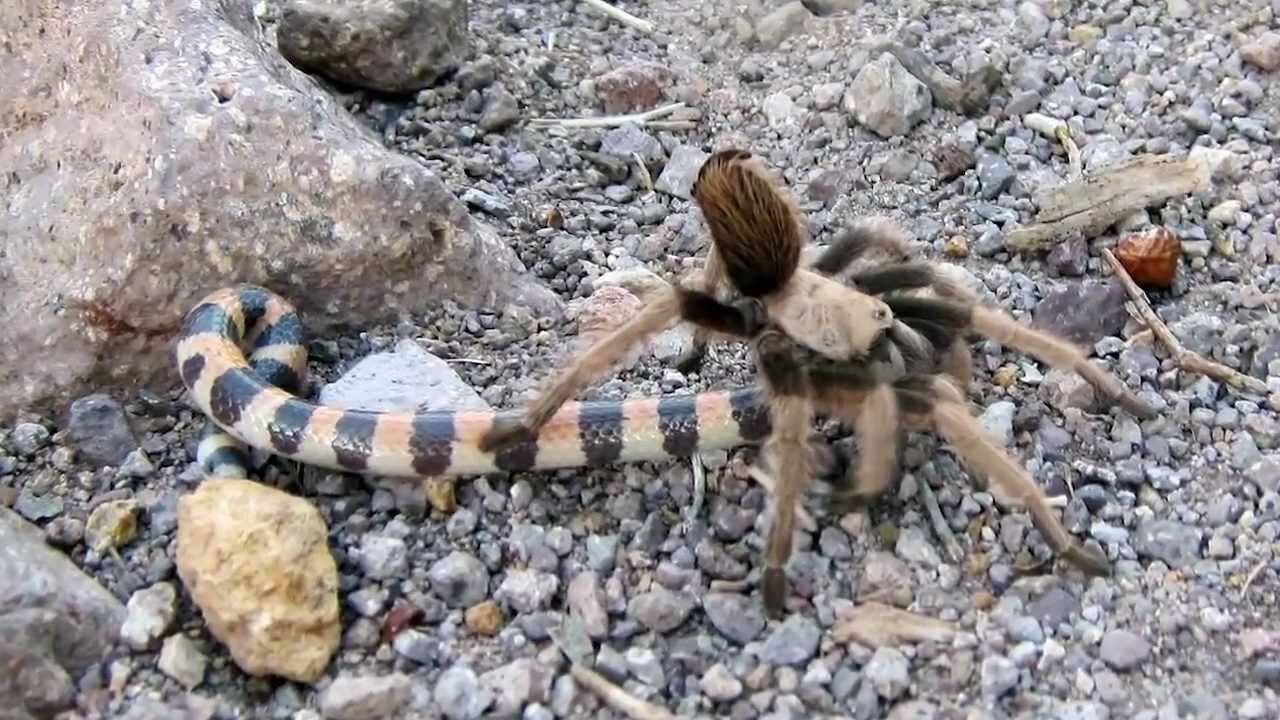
<point>1264,51</point>
<point>256,561</point>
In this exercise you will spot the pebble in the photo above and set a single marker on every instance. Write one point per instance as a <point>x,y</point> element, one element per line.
<point>888,672</point>
<point>150,613</point>
<point>459,695</point>
<point>792,643</point>
<point>719,684</point>
<point>999,676</point>
<point>660,610</point>
<point>737,617</point>
<point>27,438</point>
<point>363,697</point>
<point>459,579</point>
<point>181,660</point>
<point>1124,650</point>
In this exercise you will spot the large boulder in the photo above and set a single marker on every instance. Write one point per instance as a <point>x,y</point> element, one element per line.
<point>55,621</point>
<point>154,151</point>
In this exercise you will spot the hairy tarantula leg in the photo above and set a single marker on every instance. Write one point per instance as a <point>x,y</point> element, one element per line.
<point>1008,477</point>
<point>657,315</point>
<point>858,240</point>
<point>877,425</point>
<point>1060,353</point>
<point>711,281</point>
<point>744,318</point>
<point>788,448</point>
<point>898,276</point>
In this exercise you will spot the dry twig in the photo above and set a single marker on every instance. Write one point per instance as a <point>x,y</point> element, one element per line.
<point>1187,360</point>
<point>1094,202</point>
<point>621,16</point>
<point>649,119</point>
<point>616,697</point>
<point>939,523</point>
<point>1063,134</point>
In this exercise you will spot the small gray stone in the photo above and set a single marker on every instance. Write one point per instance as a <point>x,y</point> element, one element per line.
<point>1175,544</point>
<point>645,666</point>
<point>417,645</point>
<point>397,46</point>
<point>994,174</point>
<point>737,617</point>
<point>27,438</point>
<point>888,672</point>
<point>527,590</point>
<point>523,165</point>
<point>501,108</point>
<point>793,642</point>
<point>182,661</point>
<point>149,614</point>
<point>622,142</point>
<point>997,419</point>
<point>680,172</point>
<point>136,465</point>
<point>999,676</point>
<point>99,429</point>
<point>602,551</point>
<point>886,98</point>
<point>383,557</point>
<point>1064,389</point>
<point>782,23</point>
<point>365,697</point>
<point>660,610</point>
<point>585,599</point>
<point>719,684</point>
<point>1124,650</point>
<point>516,684</point>
<point>406,378</point>
<point>459,579</point>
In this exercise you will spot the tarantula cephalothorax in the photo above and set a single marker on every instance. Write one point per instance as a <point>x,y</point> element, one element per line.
<point>876,354</point>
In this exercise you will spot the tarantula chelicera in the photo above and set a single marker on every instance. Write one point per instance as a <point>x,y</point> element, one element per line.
<point>885,353</point>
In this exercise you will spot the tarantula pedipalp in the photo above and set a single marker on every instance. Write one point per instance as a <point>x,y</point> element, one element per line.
<point>872,355</point>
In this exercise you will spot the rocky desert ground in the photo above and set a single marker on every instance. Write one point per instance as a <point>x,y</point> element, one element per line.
<point>948,117</point>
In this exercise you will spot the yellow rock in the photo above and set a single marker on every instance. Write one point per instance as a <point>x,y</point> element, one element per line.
<point>484,618</point>
<point>956,246</point>
<point>1085,35</point>
<point>1006,376</point>
<point>111,525</point>
<point>440,493</point>
<point>257,563</point>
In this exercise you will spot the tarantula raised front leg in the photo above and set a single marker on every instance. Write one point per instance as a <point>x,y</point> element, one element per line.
<point>673,304</point>
<point>712,282</point>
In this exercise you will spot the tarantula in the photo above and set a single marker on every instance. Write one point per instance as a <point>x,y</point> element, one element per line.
<point>876,354</point>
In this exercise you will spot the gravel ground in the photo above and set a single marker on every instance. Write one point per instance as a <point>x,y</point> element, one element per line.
<point>1187,505</point>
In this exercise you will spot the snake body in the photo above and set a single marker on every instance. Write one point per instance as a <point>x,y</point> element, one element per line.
<point>242,356</point>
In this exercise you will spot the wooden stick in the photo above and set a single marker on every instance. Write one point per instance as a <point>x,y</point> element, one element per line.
<point>1188,360</point>
<point>621,16</point>
<point>939,523</point>
<point>647,119</point>
<point>1094,202</point>
<point>616,697</point>
<point>1063,134</point>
